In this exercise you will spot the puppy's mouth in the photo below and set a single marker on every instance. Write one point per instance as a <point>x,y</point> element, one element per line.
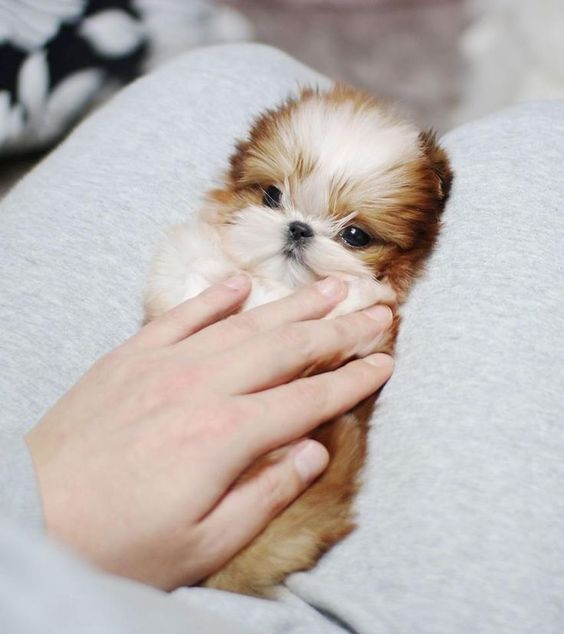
<point>295,253</point>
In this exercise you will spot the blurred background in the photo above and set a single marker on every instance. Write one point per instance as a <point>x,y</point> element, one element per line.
<point>407,50</point>
<point>444,61</point>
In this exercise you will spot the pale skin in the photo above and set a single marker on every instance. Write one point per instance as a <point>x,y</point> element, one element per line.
<point>138,463</point>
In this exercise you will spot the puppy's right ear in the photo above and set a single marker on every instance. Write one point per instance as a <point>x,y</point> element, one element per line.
<point>438,161</point>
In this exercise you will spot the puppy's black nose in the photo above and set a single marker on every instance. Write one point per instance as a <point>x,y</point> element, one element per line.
<point>299,231</point>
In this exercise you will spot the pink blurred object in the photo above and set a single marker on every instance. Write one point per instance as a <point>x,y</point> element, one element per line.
<point>351,4</point>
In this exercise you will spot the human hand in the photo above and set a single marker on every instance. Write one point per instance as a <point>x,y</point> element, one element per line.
<point>138,463</point>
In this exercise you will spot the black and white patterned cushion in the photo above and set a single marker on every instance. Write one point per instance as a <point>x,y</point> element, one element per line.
<point>56,56</point>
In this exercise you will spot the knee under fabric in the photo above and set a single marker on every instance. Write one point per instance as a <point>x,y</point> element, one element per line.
<point>459,512</point>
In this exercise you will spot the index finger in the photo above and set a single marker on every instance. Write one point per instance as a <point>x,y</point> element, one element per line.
<point>309,302</point>
<point>295,409</point>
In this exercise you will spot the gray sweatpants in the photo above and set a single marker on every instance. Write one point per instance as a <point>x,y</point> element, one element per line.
<point>462,510</point>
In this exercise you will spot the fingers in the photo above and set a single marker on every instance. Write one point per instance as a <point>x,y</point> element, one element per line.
<point>213,304</point>
<point>293,410</point>
<point>278,356</point>
<point>260,496</point>
<point>309,302</point>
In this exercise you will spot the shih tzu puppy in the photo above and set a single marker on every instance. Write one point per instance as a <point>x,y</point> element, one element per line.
<point>330,183</point>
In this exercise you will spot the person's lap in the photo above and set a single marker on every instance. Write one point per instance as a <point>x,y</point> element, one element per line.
<point>460,513</point>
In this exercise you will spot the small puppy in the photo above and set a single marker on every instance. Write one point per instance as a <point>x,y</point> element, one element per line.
<point>330,183</point>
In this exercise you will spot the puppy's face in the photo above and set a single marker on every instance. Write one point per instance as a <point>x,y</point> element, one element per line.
<point>333,183</point>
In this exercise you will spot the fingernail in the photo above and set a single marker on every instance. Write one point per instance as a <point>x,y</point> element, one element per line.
<point>310,459</point>
<point>330,287</point>
<point>237,282</point>
<point>380,313</point>
<point>380,360</point>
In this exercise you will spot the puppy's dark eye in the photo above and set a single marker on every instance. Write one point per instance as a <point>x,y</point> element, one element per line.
<point>355,237</point>
<point>272,197</point>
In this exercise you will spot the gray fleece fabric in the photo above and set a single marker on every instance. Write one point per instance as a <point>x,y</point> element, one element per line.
<point>461,516</point>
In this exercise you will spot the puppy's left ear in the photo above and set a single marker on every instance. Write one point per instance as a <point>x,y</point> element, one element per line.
<point>439,163</point>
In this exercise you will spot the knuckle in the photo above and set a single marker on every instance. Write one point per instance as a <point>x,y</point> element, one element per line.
<point>273,492</point>
<point>246,323</point>
<point>296,337</point>
<point>342,329</point>
<point>206,428</point>
<point>209,538</point>
<point>227,420</point>
<point>310,299</point>
<point>193,374</point>
<point>360,329</point>
<point>172,434</point>
<point>363,325</point>
<point>363,373</point>
<point>386,365</point>
<point>311,391</point>
<point>366,373</point>
<point>178,381</point>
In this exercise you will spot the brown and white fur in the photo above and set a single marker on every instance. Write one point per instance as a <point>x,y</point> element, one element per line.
<point>338,161</point>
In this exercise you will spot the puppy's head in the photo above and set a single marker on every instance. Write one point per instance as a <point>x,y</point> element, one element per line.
<point>333,183</point>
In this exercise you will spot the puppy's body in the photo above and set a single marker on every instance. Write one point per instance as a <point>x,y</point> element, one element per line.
<point>329,184</point>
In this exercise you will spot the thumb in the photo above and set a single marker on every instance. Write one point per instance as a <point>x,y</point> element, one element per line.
<point>261,495</point>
